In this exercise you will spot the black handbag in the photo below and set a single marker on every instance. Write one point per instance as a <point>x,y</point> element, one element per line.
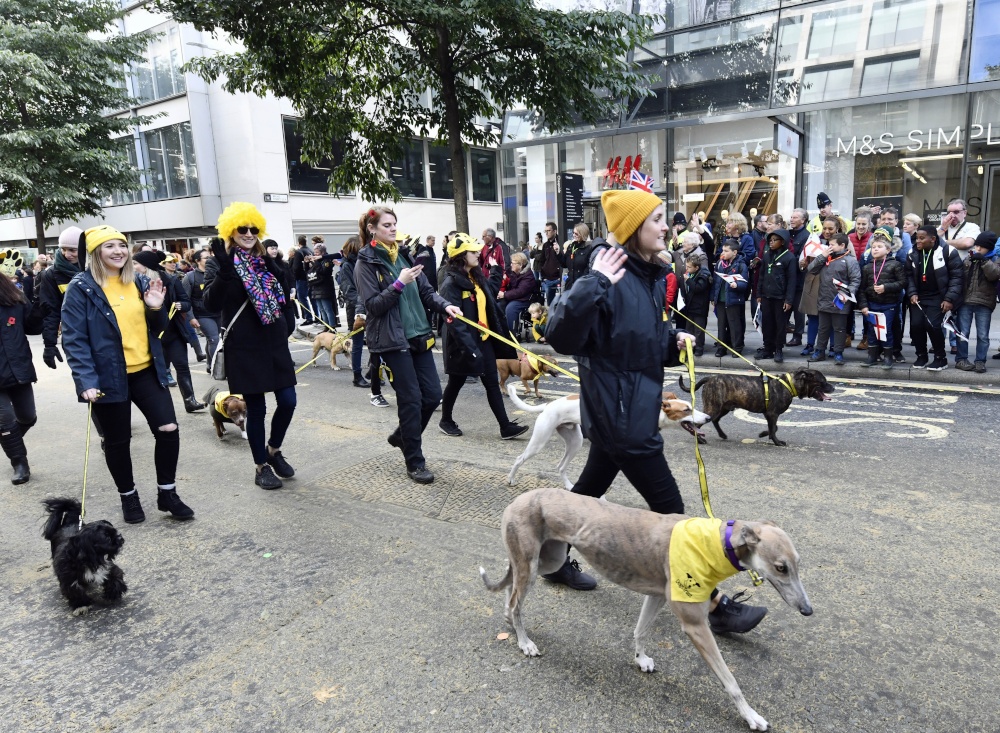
<point>218,368</point>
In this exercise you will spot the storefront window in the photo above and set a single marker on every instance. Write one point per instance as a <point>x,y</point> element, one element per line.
<point>439,165</point>
<point>834,32</point>
<point>169,151</point>
<point>724,68</point>
<point>483,167</point>
<point>307,177</point>
<point>407,172</point>
<point>985,63</point>
<point>159,75</point>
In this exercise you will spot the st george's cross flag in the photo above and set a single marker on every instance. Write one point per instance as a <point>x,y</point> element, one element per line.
<point>878,324</point>
<point>949,325</point>
<point>639,181</point>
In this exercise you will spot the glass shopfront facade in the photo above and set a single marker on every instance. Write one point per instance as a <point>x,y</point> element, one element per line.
<point>888,101</point>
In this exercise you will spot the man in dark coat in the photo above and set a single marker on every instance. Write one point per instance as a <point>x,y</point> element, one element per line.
<point>778,275</point>
<point>322,291</point>
<point>52,285</point>
<point>934,275</point>
<point>301,277</point>
<point>549,261</point>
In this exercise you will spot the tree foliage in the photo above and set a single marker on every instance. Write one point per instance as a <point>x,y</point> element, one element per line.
<point>357,71</point>
<point>58,77</point>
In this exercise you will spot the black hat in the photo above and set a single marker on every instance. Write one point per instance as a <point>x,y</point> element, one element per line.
<point>986,240</point>
<point>679,218</point>
<point>150,259</point>
<point>823,200</point>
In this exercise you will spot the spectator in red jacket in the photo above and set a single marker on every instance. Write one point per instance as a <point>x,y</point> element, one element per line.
<point>862,232</point>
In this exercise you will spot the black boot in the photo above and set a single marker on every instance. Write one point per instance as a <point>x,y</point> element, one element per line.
<point>874,352</point>
<point>191,404</point>
<point>12,442</point>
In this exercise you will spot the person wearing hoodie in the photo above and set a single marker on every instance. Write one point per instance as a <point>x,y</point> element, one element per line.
<point>934,277</point>
<point>834,265</point>
<point>730,297</point>
<point>696,286</point>
<point>52,286</point>
<point>776,293</point>
<point>980,298</point>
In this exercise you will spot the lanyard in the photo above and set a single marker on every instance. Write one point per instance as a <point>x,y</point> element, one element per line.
<point>927,256</point>
<point>775,261</point>
<point>879,271</point>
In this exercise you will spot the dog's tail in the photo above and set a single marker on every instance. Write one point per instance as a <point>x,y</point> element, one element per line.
<point>62,512</point>
<point>697,385</point>
<point>503,583</point>
<point>209,397</point>
<point>519,403</point>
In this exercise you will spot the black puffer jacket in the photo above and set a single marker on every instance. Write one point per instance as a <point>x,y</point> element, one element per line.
<point>779,271</point>
<point>891,274</point>
<point>373,279</point>
<point>947,267</point>
<point>622,340</point>
<point>319,274</point>
<point>461,341</point>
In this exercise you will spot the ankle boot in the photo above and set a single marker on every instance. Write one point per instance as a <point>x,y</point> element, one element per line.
<point>12,442</point>
<point>187,391</point>
<point>874,352</point>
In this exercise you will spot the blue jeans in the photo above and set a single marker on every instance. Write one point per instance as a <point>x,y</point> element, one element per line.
<point>548,289</point>
<point>891,314</point>
<point>983,314</point>
<point>513,311</point>
<point>323,308</point>
<point>302,295</point>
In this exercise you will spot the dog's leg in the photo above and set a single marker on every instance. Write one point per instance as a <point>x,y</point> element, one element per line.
<point>573,435</point>
<point>316,348</point>
<point>114,585</point>
<point>333,361</point>
<point>772,430</point>
<point>220,430</point>
<point>715,422</point>
<point>77,596</point>
<point>694,621</point>
<point>650,607</point>
<point>524,573</point>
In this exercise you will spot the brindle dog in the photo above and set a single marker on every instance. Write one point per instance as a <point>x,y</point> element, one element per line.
<point>724,393</point>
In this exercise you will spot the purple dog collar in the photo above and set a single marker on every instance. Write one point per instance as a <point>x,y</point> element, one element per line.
<point>730,552</point>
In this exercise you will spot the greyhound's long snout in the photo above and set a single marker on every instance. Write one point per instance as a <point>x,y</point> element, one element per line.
<point>806,610</point>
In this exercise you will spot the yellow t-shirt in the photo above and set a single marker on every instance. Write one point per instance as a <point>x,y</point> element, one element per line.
<point>481,311</point>
<point>697,561</point>
<point>130,312</point>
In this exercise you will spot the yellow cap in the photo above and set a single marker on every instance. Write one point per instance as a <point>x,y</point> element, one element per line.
<point>171,257</point>
<point>625,211</point>
<point>97,236</point>
<point>464,243</point>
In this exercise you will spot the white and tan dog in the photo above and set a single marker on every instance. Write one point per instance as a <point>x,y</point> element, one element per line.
<point>563,416</point>
<point>335,343</point>
<point>631,547</point>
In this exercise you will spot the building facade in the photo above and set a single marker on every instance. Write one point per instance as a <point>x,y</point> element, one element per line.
<point>759,105</point>
<point>207,148</point>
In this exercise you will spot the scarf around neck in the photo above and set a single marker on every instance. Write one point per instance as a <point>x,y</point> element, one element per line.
<point>261,286</point>
<point>64,266</point>
<point>392,250</point>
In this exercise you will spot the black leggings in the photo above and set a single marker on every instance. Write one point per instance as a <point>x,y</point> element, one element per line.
<point>17,406</point>
<point>157,407</point>
<point>490,380</point>
<point>650,475</point>
<point>257,411</point>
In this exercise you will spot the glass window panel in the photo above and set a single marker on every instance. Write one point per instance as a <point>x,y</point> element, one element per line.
<point>889,75</point>
<point>984,135</point>
<point>895,23</point>
<point>440,169</point>
<point>985,63</point>
<point>152,146</point>
<point>483,165</point>
<point>176,173</point>
<point>127,151</point>
<point>789,35</point>
<point>724,68</point>
<point>307,177</point>
<point>834,32</point>
<point>190,167</point>
<point>407,172</point>
<point>684,13</point>
<point>826,83</point>
<point>159,75</point>
<point>172,166</point>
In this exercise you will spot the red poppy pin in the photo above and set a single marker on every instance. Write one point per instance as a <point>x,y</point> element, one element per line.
<point>11,321</point>
<point>371,213</point>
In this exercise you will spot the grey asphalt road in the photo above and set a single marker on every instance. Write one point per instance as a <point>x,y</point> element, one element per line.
<point>350,600</point>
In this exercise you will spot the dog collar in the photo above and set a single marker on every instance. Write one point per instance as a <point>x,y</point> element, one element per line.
<point>730,552</point>
<point>790,384</point>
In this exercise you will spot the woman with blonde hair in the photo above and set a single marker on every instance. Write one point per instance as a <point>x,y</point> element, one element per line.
<point>244,284</point>
<point>111,321</point>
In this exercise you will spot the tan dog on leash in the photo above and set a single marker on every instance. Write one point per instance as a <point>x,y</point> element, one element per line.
<point>631,547</point>
<point>525,370</point>
<point>334,343</point>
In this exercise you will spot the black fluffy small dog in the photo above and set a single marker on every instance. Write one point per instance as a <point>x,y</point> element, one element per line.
<point>83,558</point>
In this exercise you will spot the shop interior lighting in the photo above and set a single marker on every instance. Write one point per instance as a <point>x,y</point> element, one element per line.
<point>718,153</point>
<point>925,158</point>
<point>980,171</point>
<point>906,167</point>
<point>758,150</point>
<point>744,153</point>
<point>736,168</point>
<point>691,155</point>
<point>702,154</point>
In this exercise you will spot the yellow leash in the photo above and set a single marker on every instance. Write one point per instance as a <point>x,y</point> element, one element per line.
<point>86,461</point>
<point>345,337</point>
<point>313,314</point>
<point>517,346</point>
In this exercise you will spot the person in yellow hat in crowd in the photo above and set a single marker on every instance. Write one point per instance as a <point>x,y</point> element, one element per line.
<point>396,296</point>
<point>614,321</point>
<point>244,284</point>
<point>468,351</point>
<point>111,320</point>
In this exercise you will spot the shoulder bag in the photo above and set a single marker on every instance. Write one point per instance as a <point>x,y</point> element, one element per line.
<point>218,368</point>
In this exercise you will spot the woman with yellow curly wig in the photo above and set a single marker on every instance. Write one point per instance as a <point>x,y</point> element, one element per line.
<point>244,284</point>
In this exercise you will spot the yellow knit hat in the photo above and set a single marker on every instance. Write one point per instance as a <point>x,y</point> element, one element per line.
<point>463,243</point>
<point>625,211</point>
<point>97,236</point>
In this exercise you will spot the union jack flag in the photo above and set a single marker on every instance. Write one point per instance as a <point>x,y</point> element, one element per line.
<point>640,181</point>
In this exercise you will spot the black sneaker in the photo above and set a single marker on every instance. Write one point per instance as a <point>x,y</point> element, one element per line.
<point>921,361</point>
<point>378,400</point>
<point>132,508</point>
<point>939,364</point>
<point>280,465</point>
<point>168,501</point>
<point>765,355</point>
<point>512,430</point>
<point>899,358</point>
<point>450,427</point>
<point>733,617</point>
<point>266,479</point>
<point>420,474</point>
<point>720,352</point>
<point>779,357</point>
<point>362,382</point>
<point>571,575</point>
<point>996,355</point>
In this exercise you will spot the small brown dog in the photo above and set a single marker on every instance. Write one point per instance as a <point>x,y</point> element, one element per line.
<point>334,343</point>
<point>225,407</point>
<point>523,369</point>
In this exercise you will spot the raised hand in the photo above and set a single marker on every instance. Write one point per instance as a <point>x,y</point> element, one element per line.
<point>409,274</point>
<point>611,263</point>
<point>154,295</point>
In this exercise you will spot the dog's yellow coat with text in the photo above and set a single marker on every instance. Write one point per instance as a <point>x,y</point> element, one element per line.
<point>697,560</point>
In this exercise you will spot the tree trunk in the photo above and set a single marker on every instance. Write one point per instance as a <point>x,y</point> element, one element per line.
<point>453,126</point>
<point>39,223</point>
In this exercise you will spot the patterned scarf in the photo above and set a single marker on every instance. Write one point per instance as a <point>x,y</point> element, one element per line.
<point>263,288</point>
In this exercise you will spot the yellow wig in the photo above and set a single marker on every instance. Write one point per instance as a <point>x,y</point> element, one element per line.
<point>241,214</point>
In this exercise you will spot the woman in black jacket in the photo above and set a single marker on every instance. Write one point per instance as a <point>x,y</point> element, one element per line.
<point>17,397</point>
<point>286,280</point>
<point>175,346</point>
<point>242,276</point>
<point>194,285</point>
<point>614,321</point>
<point>355,309</point>
<point>396,298</point>
<point>467,351</point>
<point>111,321</point>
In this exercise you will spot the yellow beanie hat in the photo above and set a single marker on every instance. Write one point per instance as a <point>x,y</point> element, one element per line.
<point>625,211</point>
<point>96,236</point>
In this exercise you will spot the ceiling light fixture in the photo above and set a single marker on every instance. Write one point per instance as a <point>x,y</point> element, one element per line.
<point>691,155</point>
<point>702,154</point>
<point>744,153</point>
<point>758,150</point>
<point>718,153</point>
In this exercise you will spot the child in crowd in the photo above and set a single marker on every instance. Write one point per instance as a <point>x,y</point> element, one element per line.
<point>835,264</point>
<point>882,281</point>
<point>980,290</point>
<point>730,297</point>
<point>539,318</point>
<point>697,289</point>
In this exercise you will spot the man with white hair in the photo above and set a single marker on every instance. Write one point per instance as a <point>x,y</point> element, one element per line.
<point>51,286</point>
<point>690,245</point>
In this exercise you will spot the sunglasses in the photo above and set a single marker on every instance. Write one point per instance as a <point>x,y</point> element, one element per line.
<point>253,230</point>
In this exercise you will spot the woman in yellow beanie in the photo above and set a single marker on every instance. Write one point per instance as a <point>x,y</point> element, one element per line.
<point>615,321</point>
<point>111,321</point>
